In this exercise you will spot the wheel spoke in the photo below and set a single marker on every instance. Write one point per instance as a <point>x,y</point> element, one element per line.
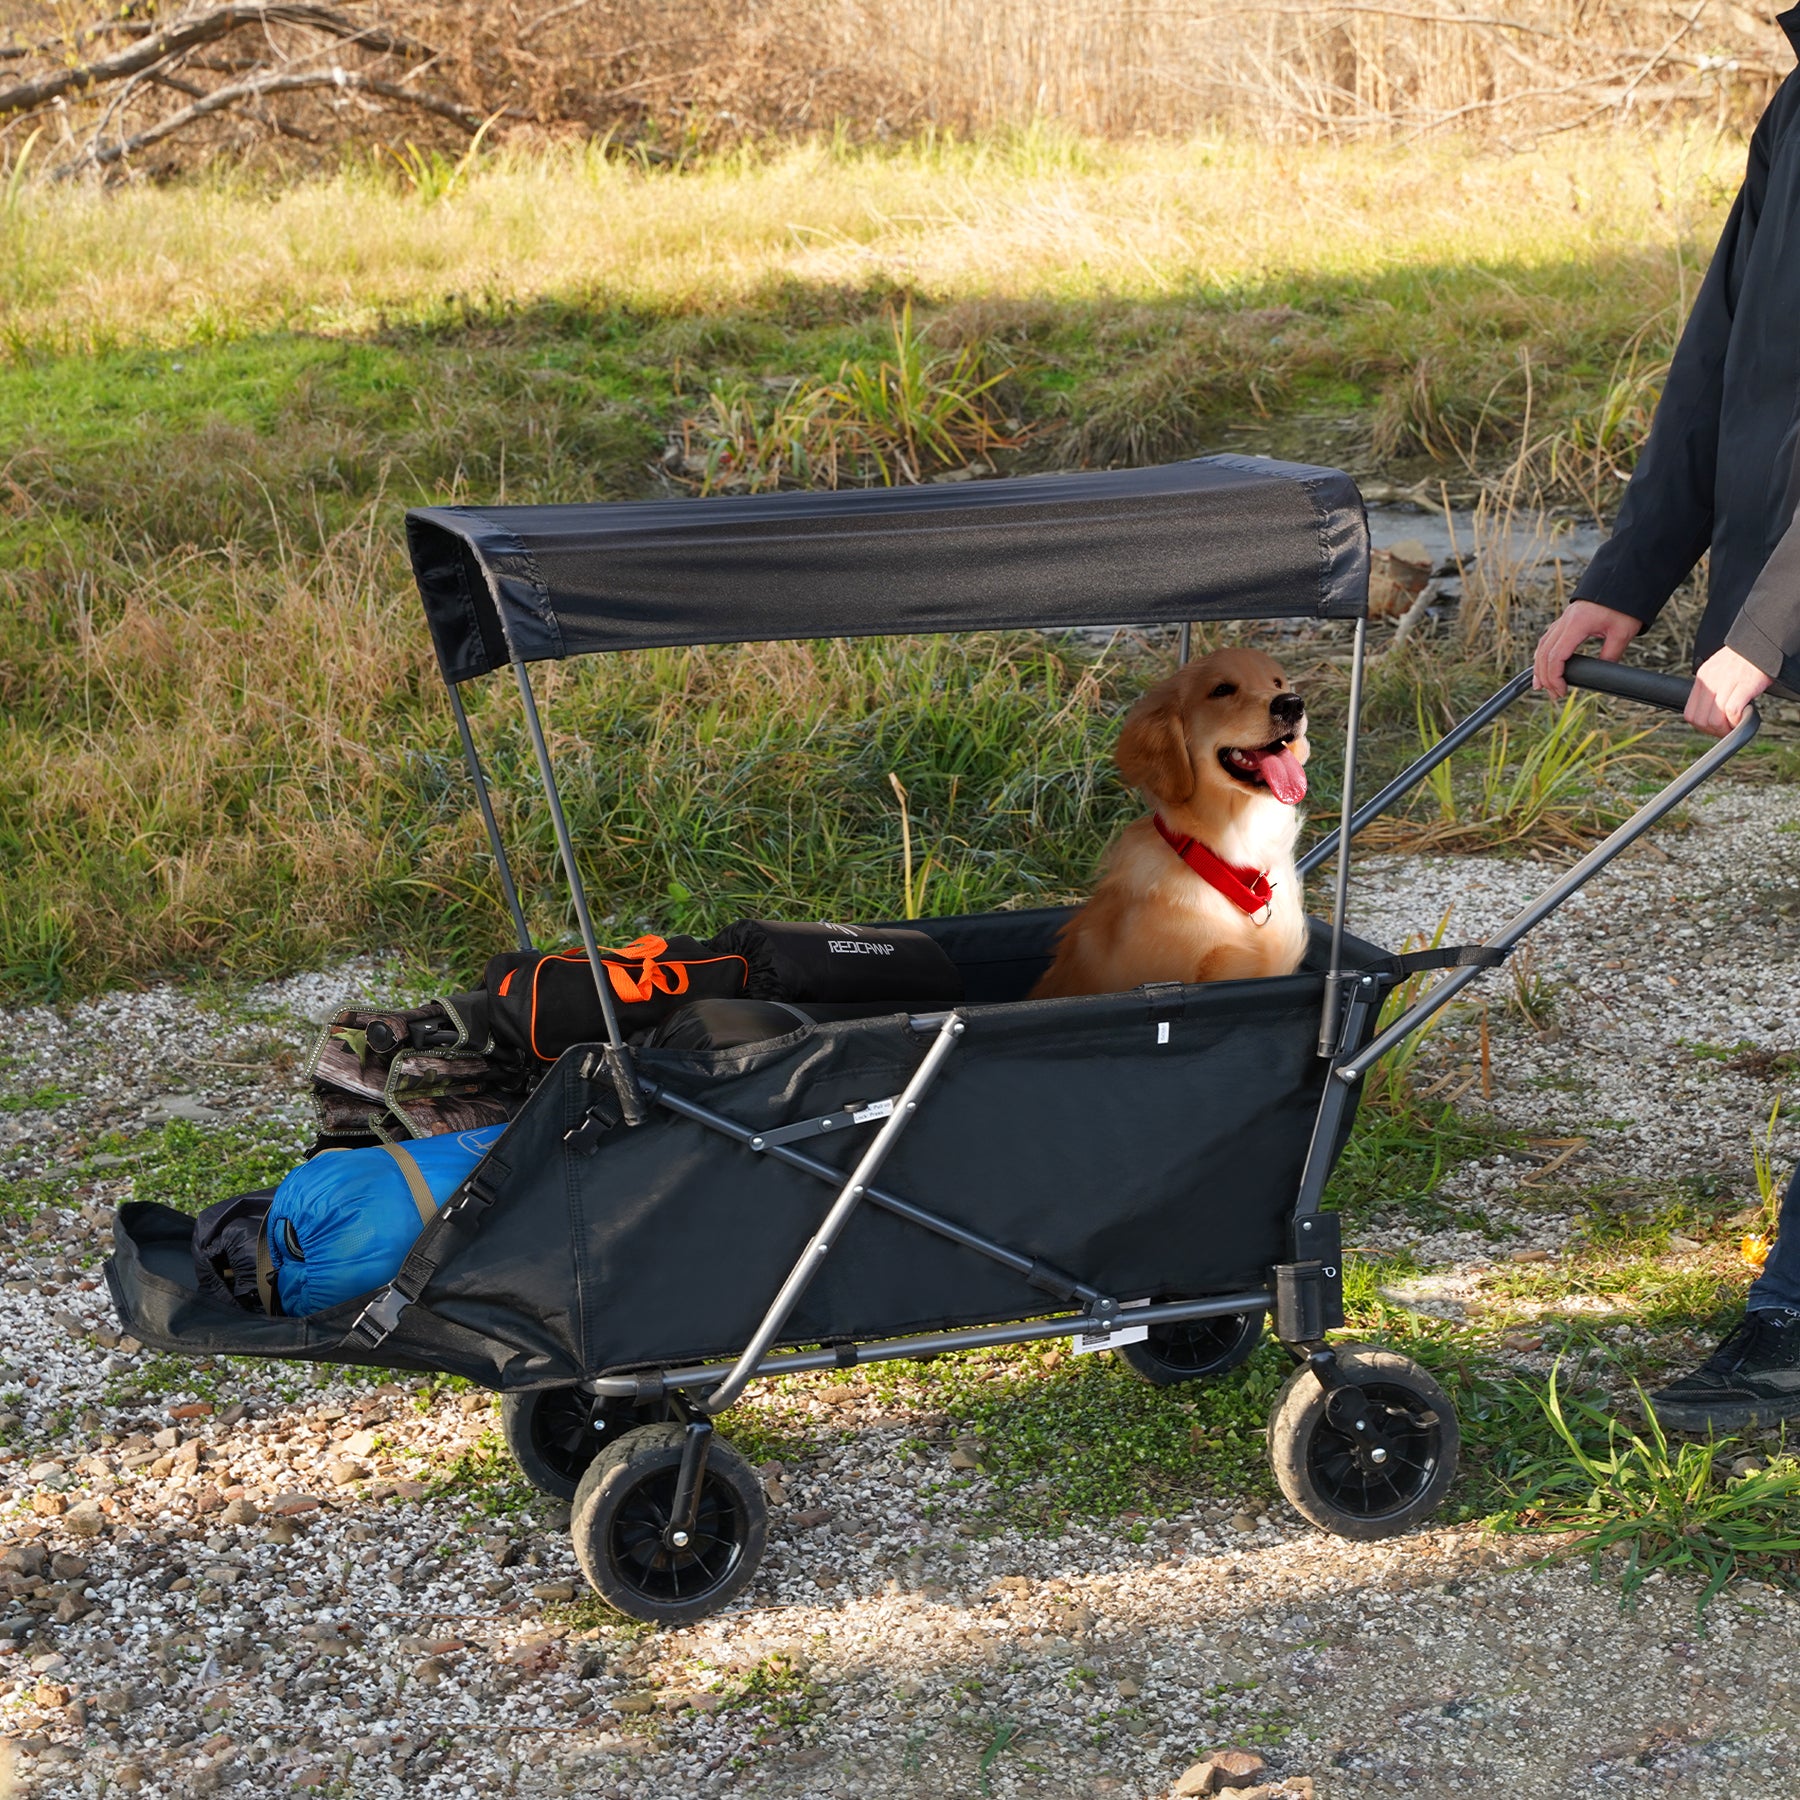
<point>641,1553</point>
<point>1349,1483</point>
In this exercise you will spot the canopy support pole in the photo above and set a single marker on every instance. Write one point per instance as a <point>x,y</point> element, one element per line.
<point>1328,1017</point>
<point>618,1055</point>
<point>470,756</point>
<point>1185,650</point>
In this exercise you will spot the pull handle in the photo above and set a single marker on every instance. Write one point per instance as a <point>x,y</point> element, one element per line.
<point>1626,683</point>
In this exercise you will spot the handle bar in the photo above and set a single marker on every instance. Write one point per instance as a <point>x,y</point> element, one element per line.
<point>1619,679</point>
<point>1632,684</point>
<point>1626,683</point>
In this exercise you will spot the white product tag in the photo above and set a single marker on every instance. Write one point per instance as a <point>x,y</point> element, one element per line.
<point>1162,1031</point>
<point>1120,1334</point>
<point>876,1109</point>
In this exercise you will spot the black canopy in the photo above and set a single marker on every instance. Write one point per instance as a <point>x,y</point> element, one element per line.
<point>1222,537</point>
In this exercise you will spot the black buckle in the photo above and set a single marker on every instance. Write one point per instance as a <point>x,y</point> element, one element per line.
<point>377,1321</point>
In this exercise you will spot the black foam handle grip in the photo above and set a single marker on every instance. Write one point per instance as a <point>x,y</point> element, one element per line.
<point>1627,683</point>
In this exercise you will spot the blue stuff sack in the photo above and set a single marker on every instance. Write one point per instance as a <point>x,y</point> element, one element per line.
<point>342,1224</point>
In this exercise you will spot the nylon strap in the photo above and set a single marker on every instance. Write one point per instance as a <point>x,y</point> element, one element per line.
<point>1450,956</point>
<point>415,1182</point>
<point>456,1223</point>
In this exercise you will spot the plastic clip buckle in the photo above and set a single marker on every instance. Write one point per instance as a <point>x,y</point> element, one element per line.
<point>378,1320</point>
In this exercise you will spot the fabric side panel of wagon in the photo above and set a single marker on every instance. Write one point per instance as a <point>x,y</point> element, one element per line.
<point>1216,538</point>
<point>1066,1130</point>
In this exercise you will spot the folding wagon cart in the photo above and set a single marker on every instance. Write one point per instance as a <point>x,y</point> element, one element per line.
<point>658,1228</point>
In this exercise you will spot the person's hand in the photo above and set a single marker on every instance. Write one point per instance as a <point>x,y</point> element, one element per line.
<point>1581,621</point>
<point>1724,686</point>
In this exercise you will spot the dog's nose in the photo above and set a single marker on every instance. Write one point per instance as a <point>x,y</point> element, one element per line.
<point>1287,709</point>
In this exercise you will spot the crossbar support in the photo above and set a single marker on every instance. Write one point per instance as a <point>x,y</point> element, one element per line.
<point>850,1196</point>
<point>794,1362</point>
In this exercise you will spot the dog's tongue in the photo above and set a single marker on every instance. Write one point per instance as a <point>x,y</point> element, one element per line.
<point>1280,769</point>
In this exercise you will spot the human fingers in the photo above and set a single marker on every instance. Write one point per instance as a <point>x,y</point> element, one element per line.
<point>1704,712</point>
<point>1554,648</point>
<point>1620,629</point>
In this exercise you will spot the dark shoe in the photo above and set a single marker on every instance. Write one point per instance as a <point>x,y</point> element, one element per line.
<point>1753,1378</point>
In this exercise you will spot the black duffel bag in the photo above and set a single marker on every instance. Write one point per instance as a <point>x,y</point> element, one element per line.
<point>541,1003</point>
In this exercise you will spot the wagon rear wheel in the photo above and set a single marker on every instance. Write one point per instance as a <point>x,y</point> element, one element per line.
<point>1193,1349</point>
<point>1371,1457</point>
<point>621,1528</point>
<point>554,1433</point>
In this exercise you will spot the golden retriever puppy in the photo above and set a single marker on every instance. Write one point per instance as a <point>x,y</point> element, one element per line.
<point>1204,889</point>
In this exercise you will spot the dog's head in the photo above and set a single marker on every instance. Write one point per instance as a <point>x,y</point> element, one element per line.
<point>1223,729</point>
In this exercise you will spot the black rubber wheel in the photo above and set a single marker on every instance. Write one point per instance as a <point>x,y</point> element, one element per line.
<point>554,1433</point>
<point>1193,1349</point>
<point>622,1510</point>
<point>1333,1475</point>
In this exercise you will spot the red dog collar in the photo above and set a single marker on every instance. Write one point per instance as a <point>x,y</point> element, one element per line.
<point>1249,890</point>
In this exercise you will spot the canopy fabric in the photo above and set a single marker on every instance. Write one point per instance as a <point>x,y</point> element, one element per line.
<point>1220,537</point>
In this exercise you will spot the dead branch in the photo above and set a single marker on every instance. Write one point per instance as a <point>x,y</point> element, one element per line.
<point>259,88</point>
<point>189,33</point>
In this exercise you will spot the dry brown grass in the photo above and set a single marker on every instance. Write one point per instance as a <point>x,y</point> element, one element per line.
<point>667,78</point>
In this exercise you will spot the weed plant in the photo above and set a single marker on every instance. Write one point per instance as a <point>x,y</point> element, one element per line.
<point>1668,1508</point>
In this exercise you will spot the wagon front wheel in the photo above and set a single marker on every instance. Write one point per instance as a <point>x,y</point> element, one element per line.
<point>623,1541</point>
<point>555,1433</point>
<point>1371,1456</point>
<point>1193,1349</point>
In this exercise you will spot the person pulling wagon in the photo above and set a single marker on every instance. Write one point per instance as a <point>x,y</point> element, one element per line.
<point>1721,472</point>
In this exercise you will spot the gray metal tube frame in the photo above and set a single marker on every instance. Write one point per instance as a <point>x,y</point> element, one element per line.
<point>850,1196</point>
<point>1365,994</point>
<point>1328,1036</point>
<point>1409,778</point>
<point>1353,1068</point>
<point>794,1362</point>
<point>489,822</point>
<point>566,846</point>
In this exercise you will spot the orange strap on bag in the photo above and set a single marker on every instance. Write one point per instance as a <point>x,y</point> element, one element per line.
<point>653,977</point>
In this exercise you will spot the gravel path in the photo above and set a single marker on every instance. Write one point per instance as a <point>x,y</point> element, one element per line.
<point>245,1580</point>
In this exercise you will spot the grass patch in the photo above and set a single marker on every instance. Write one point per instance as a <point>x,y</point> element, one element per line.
<point>1666,1508</point>
<point>190,1166</point>
<point>44,1099</point>
<point>221,744</point>
<point>1559,781</point>
<point>483,1477</point>
<point>1089,1439</point>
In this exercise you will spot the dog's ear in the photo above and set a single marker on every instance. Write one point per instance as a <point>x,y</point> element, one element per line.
<point>1153,749</point>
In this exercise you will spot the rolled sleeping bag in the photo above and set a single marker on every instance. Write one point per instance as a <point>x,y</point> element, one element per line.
<point>341,1224</point>
<point>835,965</point>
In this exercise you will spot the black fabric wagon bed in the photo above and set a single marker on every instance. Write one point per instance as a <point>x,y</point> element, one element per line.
<point>1149,1143</point>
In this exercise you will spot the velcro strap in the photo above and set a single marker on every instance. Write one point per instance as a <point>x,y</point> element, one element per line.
<point>265,1274</point>
<point>1449,956</point>
<point>415,1182</point>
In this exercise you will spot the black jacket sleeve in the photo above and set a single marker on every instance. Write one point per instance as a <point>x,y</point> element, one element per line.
<point>1666,518</point>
